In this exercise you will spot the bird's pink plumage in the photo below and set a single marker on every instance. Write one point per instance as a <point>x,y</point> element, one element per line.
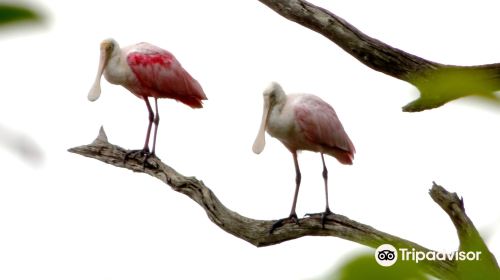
<point>160,75</point>
<point>321,126</point>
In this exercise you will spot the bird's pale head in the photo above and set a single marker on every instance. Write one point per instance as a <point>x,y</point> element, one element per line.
<point>108,48</point>
<point>273,86</point>
<point>273,95</point>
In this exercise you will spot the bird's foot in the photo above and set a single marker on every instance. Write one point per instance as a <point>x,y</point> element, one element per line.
<point>144,152</point>
<point>290,219</point>
<point>323,216</point>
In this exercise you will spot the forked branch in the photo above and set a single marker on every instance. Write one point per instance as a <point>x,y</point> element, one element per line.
<point>438,83</point>
<point>257,232</point>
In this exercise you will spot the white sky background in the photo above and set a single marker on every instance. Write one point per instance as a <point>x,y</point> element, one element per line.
<point>77,218</point>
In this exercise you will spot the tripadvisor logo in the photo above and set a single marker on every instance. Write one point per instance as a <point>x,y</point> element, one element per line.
<point>387,255</point>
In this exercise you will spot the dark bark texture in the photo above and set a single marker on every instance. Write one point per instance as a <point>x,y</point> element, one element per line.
<point>257,232</point>
<point>438,83</point>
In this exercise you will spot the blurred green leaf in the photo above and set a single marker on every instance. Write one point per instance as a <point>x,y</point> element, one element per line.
<point>13,14</point>
<point>364,266</point>
<point>485,268</point>
<point>445,84</point>
<point>471,270</point>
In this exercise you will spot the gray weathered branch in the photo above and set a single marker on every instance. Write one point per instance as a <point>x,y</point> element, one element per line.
<point>468,235</point>
<point>257,232</point>
<point>438,83</point>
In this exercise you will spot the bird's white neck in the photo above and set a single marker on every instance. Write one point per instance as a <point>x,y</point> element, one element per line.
<point>117,69</point>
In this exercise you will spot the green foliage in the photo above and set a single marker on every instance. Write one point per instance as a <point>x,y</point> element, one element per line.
<point>364,267</point>
<point>13,14</point>
<point>471,270</point>
<point>442,85</point>
<point>486,268</point>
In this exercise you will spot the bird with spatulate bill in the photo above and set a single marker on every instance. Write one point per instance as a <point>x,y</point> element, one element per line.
<point>303,122</point>
<point>146,71</point>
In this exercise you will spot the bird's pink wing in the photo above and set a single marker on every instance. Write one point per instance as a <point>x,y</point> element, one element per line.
<point>320,125</point>
<point>162,76</point>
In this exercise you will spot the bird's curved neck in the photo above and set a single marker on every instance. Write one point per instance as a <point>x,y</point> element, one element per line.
<point>116,69</point>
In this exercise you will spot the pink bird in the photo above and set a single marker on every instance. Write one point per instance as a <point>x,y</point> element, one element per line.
<point>147,71</point>
<point>303,122</point>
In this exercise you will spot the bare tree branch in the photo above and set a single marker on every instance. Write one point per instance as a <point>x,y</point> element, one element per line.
<point>437,83</point>
<point>257,232</point>
<point>454,207</point>
<point>468,235</point>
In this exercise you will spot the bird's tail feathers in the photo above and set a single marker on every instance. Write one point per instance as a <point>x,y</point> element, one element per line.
<point>344,157</point>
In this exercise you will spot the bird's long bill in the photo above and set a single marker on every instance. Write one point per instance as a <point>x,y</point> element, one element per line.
<point>260,140</point>
<point>95,90</point>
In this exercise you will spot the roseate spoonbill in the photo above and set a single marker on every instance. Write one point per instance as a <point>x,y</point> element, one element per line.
<point>146,71</point>
<point>303,122</point>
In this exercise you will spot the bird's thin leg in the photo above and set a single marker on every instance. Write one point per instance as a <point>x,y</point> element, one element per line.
<point>156,121</point>
<point>327,212</point>
<point>145,151</point>
<point>293,215</point>
<point>324,215</point>
<point>151,118</point>
<point>298,178</point>
<point>325,178</point>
